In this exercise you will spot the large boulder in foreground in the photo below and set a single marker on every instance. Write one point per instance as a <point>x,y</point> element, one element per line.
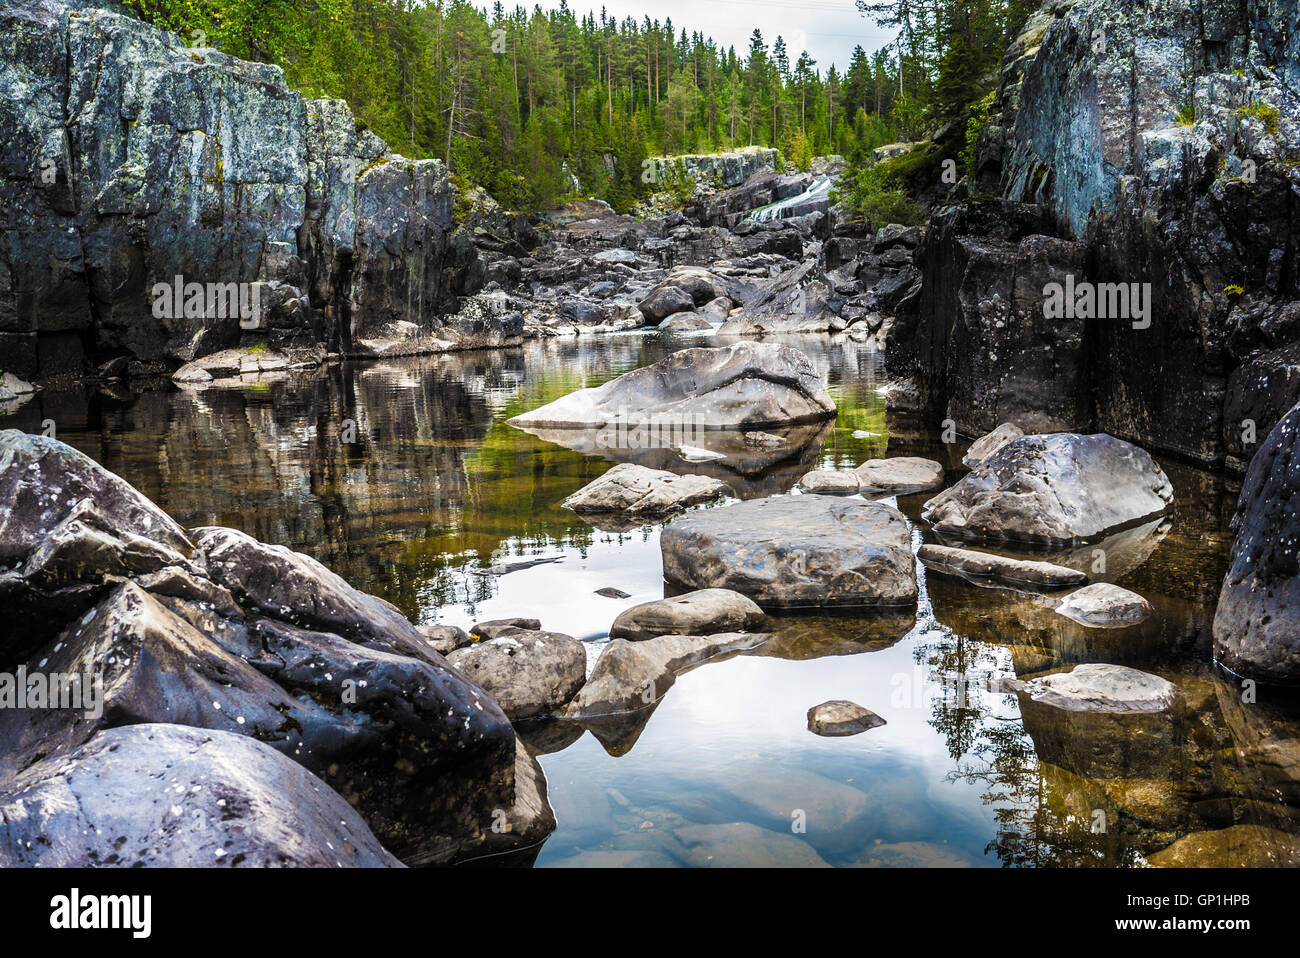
<point>171,796</point>
<point>1054,488</point>
<point>741,386</point>
<point>787,551</point>
<point>1257,624</point>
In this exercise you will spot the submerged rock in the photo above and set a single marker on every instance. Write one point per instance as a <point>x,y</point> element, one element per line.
<point>1257,623</point>
<point>528,673</point>
<point>174,797</point>
<point>1104,605</point>
<point>1054,488</point>
<point>704,612</point>
<point>745,845</point>
<point>648,494</point>
<point>795,551</point>
<point>985,565</point>
<point>1241,846</point>
<point>742,386</point>
<point>841,717</point>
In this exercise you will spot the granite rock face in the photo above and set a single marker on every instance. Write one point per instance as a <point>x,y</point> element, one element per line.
<point>133,158</point>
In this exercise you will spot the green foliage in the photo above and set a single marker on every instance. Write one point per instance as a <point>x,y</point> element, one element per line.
<point>1186,115</point>
<point>1266,114</point>
<point>974,126</point>
<point>883,192</point>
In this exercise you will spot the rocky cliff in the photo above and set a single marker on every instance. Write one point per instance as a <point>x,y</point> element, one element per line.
<point>1129,143</point>
<point>128,158</point>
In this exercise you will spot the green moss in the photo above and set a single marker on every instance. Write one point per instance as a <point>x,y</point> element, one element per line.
<point>1266,114</point>
<point>1186,115</point>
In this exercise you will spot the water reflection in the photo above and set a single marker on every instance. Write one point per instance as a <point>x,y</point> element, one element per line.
<point>403,477</point>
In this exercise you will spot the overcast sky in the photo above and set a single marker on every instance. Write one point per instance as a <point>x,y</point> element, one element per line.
<point>827,29</point>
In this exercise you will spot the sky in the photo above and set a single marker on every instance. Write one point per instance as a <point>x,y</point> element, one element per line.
<point>827,29</point>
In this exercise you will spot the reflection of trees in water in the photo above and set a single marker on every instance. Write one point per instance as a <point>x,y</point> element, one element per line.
<point>990,747</point>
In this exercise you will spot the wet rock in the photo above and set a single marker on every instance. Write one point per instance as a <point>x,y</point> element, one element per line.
<point>528,673</point>
<point>795,551</point>
<point>647,494</point>
<point>840,717</point>
<point>66,527</point>
<point>631,676</point>
<point>900,475</point>
<point>741,386</point>
<point>1241,846</point>
<point>168,796</point>
<point>445,638</point>
<point>743,845</point>
<point>985,565</point>
<point>1104,605</point>
<point>609,592</point>
<point>830,482</point>
<point>990,443</point>
<point>495,627</point>
<point>1257,623</point>
<point>1054,488</point>
<point>705,612</point>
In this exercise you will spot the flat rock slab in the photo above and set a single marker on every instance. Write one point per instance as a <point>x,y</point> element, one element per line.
<point>841,717</point>
<point>1103,605</point>
<point>703,612</point>
<point>899,476</point>
<point>635,491</point>
<point>984,565</point>
<point>830,482</point>
<point>745,385</point>
<point>789,551</point>
<point>494,627</point>
<point>1055,488</point>
<point>1096,687</point>
<point>529,673</point>
<point>1241,846</point>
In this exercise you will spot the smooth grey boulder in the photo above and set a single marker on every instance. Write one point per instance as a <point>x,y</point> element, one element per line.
<point>703,612</point>
<point>444,638</point>
<point>157,795</point>
<point>899,476</point>
<point>685,323</point>
<point>637,492</point>
<point>1257,622</point>
<point>1096,687</point>
<point>795,551</point>
<point>1054,488</point>
<point>984,565</point>
<point>830,482</point>
<point>742,386</point>
<point>1104,605</point>
<point>494,627</point>
<point>665,301</point>
<point>630,676</point>
<point>991,442</point>
<point>841,717</point>
<point>530,674</point>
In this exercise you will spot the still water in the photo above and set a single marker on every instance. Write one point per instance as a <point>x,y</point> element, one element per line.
<point>403,477</point>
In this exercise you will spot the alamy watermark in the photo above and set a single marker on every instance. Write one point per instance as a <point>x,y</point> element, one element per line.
<point>55,690</point>
<point>1086,300</point>
<point>181,300</point>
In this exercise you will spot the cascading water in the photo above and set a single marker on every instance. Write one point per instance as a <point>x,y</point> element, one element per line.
<point>817,189</point>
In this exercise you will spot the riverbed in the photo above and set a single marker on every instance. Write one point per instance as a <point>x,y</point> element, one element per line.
<point>403,476</point>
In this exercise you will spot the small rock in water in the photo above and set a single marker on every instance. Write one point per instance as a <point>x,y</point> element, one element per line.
<point>696,454</point>
<point>975,566</point>
<point>1105,606</point>
<point>704,612</point>
<point>505,568</point>
<point>445,638</point>
<point>830,482</point>
<point>611,593</point>
<point>1097,687</point>
<point>900,475</point>
<point>481,631</point>
<point>841,717</point>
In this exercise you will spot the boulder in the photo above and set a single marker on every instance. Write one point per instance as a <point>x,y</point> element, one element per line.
<point>1055,488</point>
<point>630,676</point>
<point>445,638</point>
<point>685,323</point>
<point>830,482</point>
<point>985,565</point>
<point>1257,622</point>
<point>900,475</point>
<point>990,443</point>
<point>1104,605</point>
<point>1094,687</point>
<point>664,301</point>
<point>840,717</point>
<point>173,797</point>
<point>528,673</point>
<point>649,494</point>
<point>704,612</point>
<point>741,386</point>
<point>795,551</point>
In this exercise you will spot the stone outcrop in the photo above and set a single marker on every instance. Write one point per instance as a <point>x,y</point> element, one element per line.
<point>133,158</point>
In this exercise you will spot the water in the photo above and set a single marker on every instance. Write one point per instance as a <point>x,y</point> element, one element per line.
<point>434,489</point>
<point>820,187</point>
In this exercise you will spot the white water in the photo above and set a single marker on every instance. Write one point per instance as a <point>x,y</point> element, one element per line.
<point>818,188</point>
